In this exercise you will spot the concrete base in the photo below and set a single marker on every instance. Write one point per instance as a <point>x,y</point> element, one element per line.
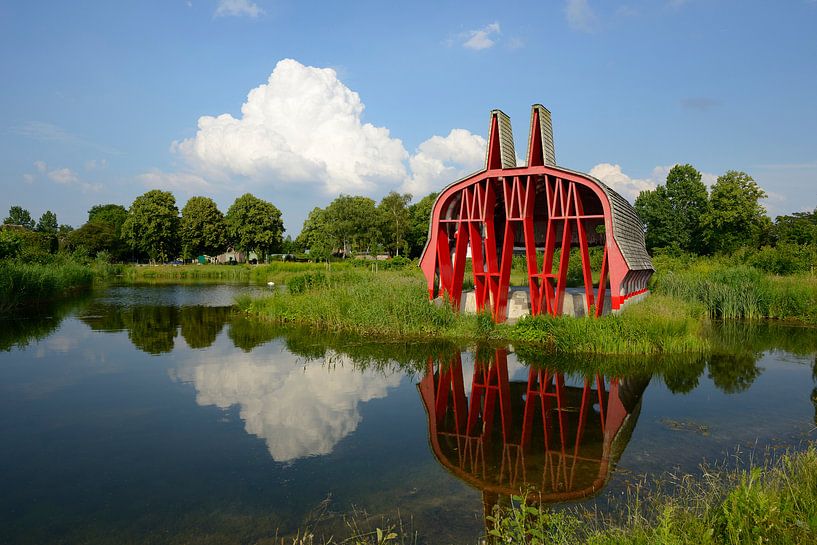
<point>574,303</point>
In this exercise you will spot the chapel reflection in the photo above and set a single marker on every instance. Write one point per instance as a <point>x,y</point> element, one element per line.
<point>553,436</point>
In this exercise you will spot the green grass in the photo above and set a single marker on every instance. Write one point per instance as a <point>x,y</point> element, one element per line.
<point>279,272</point>
<point>775,504</point>
<point>733,291</point>
<point>389,306</point>
<point>26,285</point>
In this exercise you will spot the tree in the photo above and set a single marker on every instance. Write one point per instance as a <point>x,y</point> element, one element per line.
<point>420,219</point>
<point>19,216</point>
<point>315,235</point>
<point>797,228</point>
<point>735,216</point>
<point>202,228</point>
<point>48,223</point>
<point>393,209</point>
<point>352,223</point>
<point>673,213</point>
<point>93,237</point>
<point>254,225</point>
<point>10,244</point>
<point>113,214</point>
<point>654,209</point>
<point>152,225</point>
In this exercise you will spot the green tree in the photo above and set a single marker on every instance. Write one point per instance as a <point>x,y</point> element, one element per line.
<point>735,216</point>
<point>19,216</point>
<point>797,228</point>
<point>654,209</point>
<point>10,244</point>
<point>202,228</point>
<point>394,213</point>
<point>419,221</point>
<point>92,238</point>
<point>152,225</point>
<point>316,236</point>
<point>48,223</point>
<point>673,213</point>
<point>254,225</point>
<point>113,214</point>
<point>353,223</point>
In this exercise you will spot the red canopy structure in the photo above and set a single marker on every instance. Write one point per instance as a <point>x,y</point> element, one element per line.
<point>540,209</point>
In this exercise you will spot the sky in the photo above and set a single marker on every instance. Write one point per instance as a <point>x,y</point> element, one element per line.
<point>299,101</point>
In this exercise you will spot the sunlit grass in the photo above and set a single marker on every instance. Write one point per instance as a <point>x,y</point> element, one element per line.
<point>395,305</point>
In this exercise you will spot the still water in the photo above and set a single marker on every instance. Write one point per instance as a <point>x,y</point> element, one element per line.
<point>157,414</point>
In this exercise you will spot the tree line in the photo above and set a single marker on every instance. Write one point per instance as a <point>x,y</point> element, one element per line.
<point>153,228</point>
<point>681,215</point>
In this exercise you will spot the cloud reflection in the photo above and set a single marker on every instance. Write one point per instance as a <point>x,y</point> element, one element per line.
<point>298,410</point>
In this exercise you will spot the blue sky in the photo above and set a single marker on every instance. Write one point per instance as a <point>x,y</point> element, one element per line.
<point>298,101</point>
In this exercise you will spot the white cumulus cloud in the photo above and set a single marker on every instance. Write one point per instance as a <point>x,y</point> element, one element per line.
<point>482,38</point>
<point>621,183</point>
<point>304,125</point>
<point>237,8</point>
<point>442,160</point>
<point>580,16</point>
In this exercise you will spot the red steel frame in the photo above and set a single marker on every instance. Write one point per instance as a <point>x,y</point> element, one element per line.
<point>466,214</point>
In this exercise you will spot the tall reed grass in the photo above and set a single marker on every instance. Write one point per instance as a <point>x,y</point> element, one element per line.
<point>741,292</point>
<point>25,285</point>
<point>390,306</point>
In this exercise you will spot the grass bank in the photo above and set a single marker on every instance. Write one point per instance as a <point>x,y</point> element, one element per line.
<point>34,284</point>
<point>278,272</point>
<point>393,305</point>
<point>775,503</point>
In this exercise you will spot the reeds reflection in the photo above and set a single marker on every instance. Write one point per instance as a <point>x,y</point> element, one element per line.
<point>552,436</point>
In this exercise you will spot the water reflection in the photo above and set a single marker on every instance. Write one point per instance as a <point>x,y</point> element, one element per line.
<point>550,435</point>
<point>260,423</point>
<point>299,410</point>
<point>154,328</point>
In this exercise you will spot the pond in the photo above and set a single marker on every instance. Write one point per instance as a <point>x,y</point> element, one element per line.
<point>157,414</point>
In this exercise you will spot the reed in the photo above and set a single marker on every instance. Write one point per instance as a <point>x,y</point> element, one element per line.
<point>34,284</point>
<point>389,306</point>
<point>741,292</point>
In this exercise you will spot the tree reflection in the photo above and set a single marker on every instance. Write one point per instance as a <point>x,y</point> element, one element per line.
<point>201,325</point>
<point>733,373</point>
<point>24,327</point>
<point>553,436</point>
<point>247,333</point>
<point>152,329</point>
